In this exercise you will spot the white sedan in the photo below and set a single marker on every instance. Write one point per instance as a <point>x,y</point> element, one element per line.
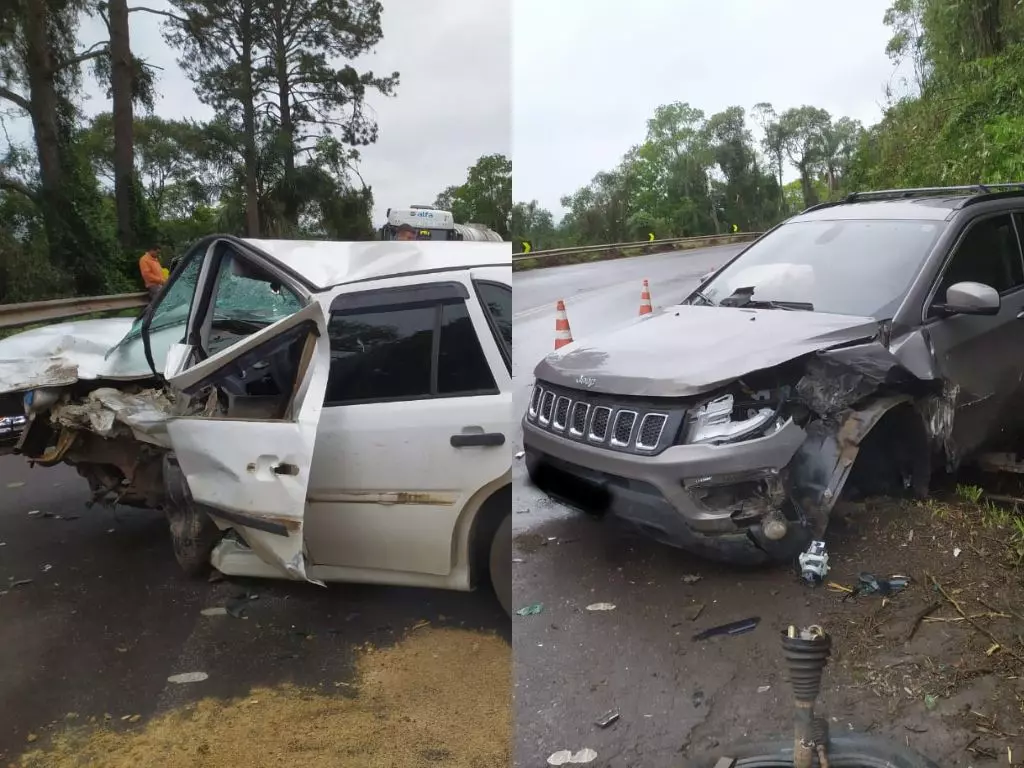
<point>320,411</point>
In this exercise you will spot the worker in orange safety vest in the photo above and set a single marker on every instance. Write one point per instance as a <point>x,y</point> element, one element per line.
<point>153,274</point>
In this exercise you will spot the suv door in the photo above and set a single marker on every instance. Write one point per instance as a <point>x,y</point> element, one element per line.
<point>251,377</point>
<point>415,423</point>
<point>982,355</point>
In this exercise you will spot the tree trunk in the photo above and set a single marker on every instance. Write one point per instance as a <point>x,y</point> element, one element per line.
<point>286,144</point>
<point>43,97</point>
<point>987,24</point>
<point>247,43</point>
<point>121,81</point>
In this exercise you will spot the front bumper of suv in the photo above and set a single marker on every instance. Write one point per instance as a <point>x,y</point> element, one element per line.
<point>709,499</point>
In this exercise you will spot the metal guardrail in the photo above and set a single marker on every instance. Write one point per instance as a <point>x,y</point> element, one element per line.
<point>737,236</point>
<point>30,313</point>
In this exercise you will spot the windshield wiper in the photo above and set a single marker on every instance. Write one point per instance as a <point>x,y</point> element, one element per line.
<point>700,295</point>
<point>743,297</point>
<point>792,306</point>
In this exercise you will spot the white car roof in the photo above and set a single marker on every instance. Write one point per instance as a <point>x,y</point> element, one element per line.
<point>325,263</point>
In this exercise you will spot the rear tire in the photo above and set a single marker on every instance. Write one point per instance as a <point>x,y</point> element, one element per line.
<point>501,564</point>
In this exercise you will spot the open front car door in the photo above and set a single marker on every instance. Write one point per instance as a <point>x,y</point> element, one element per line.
<point>245,444</point>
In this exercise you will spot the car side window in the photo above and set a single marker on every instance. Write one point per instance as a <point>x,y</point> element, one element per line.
<point>405,352</point>
<point>462,367</point>
<point>497,301</point>
<point>246,301</point>
<point>989,253</point>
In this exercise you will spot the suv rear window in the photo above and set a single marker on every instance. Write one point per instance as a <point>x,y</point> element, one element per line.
<point>845,267</point>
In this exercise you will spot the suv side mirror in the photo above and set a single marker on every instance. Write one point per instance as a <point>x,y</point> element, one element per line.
<point>970,298</point>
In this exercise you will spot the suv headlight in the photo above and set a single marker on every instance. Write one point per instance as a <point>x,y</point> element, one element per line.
<point>713,422</point>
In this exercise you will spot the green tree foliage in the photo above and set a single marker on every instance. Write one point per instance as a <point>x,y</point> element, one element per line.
<point>485,197</point>
<point>696,175</point>
<point>279,159</point>
<point>965,123</point>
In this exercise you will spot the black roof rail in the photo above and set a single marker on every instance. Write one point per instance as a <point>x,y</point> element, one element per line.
<point>1015,189</point>
<point>819,206</point>
<point>895,194</point>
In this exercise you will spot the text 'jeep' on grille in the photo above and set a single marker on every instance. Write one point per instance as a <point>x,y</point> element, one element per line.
<point>857,347</point>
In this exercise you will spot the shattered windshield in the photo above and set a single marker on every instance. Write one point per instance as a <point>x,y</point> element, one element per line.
<point>251,300</point>
<point>859,267</point>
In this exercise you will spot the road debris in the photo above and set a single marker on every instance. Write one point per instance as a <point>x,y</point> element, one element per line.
<point>601,607</point>
<point>565,757</point>
<point>732,628</point>
<point>218,610</point>
<point>869,584</point>
<point>188,677</point>
<point>694,611</point>
<point>607,719</point>
<point>957,551</point>
<point>15,485</point>
<point>692,578</point>
<point>919,617</point>
<point>763,688</point>
<point>238,604</point>
<point>47,567</point>
<point>530,610</point>
<point>814,563</point>
<point>21,582</point>
<point>520,454</point>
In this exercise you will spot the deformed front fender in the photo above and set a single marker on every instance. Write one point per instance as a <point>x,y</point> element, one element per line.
<point>821,466</point>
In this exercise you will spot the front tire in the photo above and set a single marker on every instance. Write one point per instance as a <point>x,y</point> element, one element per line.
<point>193,533</point>
<point>501,564</point>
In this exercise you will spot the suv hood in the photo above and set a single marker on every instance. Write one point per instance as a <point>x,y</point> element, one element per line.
<point>687,350</point>
<point>60,354</point>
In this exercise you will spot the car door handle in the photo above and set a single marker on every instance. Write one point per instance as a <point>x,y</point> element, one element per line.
<point>486,439</point>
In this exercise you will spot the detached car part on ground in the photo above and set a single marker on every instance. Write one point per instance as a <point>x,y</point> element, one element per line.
<point>307,410</point>
<point>856,348</point>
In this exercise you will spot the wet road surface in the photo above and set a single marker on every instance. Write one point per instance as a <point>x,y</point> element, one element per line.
<point>108,616</point>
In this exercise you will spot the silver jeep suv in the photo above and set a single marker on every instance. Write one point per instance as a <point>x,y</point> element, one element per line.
<point>854,349</point>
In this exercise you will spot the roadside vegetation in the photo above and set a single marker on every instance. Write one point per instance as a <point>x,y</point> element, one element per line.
<point>956,118</point>
<point>84,196</point>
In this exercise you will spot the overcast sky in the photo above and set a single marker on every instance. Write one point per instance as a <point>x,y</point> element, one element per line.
<point>451,107</point>
<point>589,73</point>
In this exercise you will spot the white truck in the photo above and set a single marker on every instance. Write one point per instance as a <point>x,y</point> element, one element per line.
<point>434,224</point>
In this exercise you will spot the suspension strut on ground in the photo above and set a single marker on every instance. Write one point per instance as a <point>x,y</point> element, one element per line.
<point>806,652</point>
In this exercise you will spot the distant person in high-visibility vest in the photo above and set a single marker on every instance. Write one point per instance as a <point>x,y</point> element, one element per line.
<point>650,237</point>
<point>152,271</point>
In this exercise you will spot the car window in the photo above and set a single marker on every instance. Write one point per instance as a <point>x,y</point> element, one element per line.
<point>497,302</point>
<point>847,267</point>
<point>244,304</point>
<point>461,364</point>
<point>173,306</point>
<point>988,253</point>
<point>389,353</point>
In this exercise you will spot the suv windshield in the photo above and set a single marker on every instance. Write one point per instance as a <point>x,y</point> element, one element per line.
<point>843,267</point>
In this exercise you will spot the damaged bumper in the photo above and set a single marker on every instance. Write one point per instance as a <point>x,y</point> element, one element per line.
<point>711,499</point>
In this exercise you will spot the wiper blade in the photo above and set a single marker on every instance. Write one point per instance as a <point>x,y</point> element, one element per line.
<point>792,306</point>
<point>700,295</point>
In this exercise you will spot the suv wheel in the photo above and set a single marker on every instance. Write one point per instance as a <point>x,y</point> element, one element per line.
<point>501,564</point>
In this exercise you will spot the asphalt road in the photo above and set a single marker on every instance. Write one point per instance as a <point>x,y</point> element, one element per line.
<point>108,616</point>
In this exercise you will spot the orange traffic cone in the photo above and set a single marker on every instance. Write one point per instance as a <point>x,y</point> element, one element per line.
<point>563,335</point>
<point>645,300</point>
